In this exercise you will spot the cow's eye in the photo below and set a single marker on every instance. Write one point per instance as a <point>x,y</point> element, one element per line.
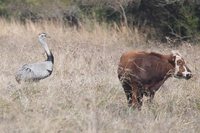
<point>179,62</point>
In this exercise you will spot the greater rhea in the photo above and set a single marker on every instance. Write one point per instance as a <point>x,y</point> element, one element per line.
<point>40,70</point>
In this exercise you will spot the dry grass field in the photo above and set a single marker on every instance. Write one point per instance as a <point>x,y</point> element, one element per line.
<point>83,94</point>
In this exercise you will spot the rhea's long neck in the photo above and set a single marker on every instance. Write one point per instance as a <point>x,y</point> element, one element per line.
<point>48,52</point>
<point>50,58</point>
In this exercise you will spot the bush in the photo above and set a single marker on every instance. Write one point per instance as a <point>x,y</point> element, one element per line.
<point>174,18</point>
<point>3,12</point>
<point>183,23</point>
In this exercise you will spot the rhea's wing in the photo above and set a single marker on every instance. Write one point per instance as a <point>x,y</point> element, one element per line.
<point>41,70</point>
<point>25,73</point>
<point>34,71</point>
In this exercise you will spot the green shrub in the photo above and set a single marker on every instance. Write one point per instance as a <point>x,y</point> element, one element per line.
<point>184,23</point>
<point>174,18</point>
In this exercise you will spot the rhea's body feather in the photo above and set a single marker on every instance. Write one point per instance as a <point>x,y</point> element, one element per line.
<point>39,70</point>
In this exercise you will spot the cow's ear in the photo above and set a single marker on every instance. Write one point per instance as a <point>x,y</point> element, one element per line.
<point>172,59</point>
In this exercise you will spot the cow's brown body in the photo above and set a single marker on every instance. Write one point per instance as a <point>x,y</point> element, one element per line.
<point>142,73</point>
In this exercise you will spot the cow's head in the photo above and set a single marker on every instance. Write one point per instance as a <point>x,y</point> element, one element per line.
<point>181,70</point>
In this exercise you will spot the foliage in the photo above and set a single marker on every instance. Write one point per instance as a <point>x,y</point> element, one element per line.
<point>173,18</point>
<point>177,19</point>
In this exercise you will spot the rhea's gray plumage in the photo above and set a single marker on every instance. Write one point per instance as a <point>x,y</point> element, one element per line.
<point>40,70</point>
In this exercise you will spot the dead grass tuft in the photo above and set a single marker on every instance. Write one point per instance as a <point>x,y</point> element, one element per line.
<point>83,94</point>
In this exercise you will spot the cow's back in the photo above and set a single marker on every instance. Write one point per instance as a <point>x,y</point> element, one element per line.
<point>145,67</point>
<point>143,73</point>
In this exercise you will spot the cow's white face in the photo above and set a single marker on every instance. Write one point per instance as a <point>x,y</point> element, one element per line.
<point>181,70</point>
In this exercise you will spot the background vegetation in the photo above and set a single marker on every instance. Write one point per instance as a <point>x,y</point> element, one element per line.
<point>83,94</point>
<point>177,19</point>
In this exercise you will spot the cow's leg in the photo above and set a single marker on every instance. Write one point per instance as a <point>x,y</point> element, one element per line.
<point>140,98</point>
<point>128,93</point>
<point>137,96</point>
<point>133,94</point>
<point>153,89</point>
<point>151,96</point>
<point>136,100</point>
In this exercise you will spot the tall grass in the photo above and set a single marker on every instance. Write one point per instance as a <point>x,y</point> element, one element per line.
<point>83,94</point>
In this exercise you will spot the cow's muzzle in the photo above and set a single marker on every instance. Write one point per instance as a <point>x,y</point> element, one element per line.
<point>188,76</point>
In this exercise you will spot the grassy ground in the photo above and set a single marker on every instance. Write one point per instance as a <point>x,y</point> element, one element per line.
<point>84,94</point>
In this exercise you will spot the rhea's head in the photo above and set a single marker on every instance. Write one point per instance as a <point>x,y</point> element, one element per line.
<point>43,36</point>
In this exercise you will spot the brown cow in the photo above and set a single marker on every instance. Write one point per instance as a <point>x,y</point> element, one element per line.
<point>142,73</point>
